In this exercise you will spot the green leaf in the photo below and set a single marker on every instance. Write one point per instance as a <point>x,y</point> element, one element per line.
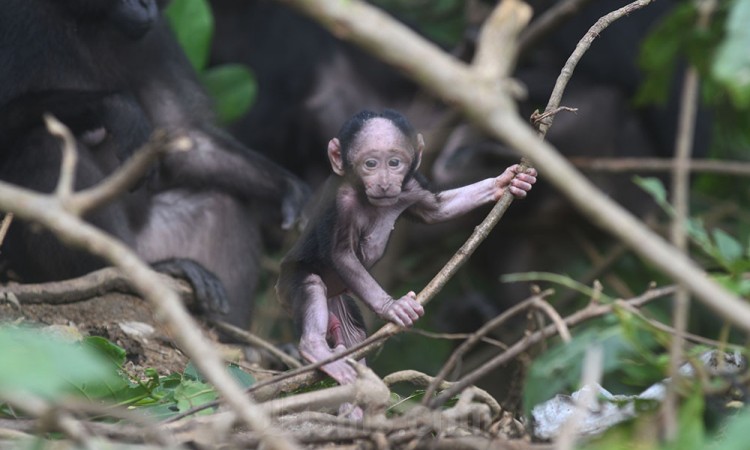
<point>233,89</point>
<point>734,283</point>
<point>191,373</point>
<point>193,26</point>
<point>243,378</point>
<point>654,187</point>
<point>34,362</point>
<point>732,64</point>
<point>729,248</point>
<point>112,351</point>
<point>734,436</point>
<point>190,394</point>
<point>699,235</point>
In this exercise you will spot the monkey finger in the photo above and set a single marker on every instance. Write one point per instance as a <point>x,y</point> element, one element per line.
<point>518,193</point>
<point>417,309</point>
<point>393,316</point>
<point>520,184</point>
<point>407,321</point>
<point>413,315</point>
<point>531,179</point>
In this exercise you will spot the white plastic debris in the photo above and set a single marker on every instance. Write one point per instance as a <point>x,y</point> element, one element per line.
<point>137,330</point>
<point>548,418</point>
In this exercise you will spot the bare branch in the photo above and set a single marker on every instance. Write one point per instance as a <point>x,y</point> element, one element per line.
<point>129,173</point>
<point>88,286</point>
<point>251,339</point>
<point>69,158</point>
<point>496,49</point>
<point>730,168</point>
<point>554,316</point>
<point>580,50</point>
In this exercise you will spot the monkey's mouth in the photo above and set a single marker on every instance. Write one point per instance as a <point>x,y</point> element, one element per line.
<point>384,200</point>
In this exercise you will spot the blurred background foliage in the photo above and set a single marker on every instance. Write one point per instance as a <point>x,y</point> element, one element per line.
<point>636,352</point>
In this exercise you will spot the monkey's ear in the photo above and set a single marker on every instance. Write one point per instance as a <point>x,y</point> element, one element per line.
<point>334,155</point>
<point>418,153</point>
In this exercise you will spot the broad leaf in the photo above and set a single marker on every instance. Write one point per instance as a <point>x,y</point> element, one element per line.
<point>193,25</point>
<point>37,363</point>
<point>232,87</point>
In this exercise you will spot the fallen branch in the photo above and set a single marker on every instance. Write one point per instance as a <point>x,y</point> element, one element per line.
<point>86,287</point>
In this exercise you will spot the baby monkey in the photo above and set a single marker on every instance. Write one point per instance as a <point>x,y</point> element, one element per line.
<point>375,180</point>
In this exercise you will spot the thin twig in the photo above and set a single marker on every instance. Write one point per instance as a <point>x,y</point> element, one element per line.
<point>537,117</point>
<point>69,157</point>
<point>256,341</point>
<point>616,165</point>
<point>554,316</point>
<point>581,48</point>
<point>455,337</point>
<point>129,173</point>
<point>719,344</point>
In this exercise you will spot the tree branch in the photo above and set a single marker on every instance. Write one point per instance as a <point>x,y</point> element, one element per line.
<point>729,168</point>
<point>583,45</point>
<point>129,173</point>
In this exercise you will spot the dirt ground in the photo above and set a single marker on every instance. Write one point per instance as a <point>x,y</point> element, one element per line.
<point>126,320</point>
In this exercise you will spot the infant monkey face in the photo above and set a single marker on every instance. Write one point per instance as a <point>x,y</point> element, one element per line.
<point>382,173</point>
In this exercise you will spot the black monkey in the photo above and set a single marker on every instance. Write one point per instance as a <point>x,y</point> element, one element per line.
<point>374,160</point>
<point>197,210</point>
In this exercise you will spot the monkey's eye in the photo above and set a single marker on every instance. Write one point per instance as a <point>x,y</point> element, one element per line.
<point>371,163</point>
<point>394,162</point>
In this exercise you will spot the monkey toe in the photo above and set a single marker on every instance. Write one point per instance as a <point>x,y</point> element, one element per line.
<point>209,292</point>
